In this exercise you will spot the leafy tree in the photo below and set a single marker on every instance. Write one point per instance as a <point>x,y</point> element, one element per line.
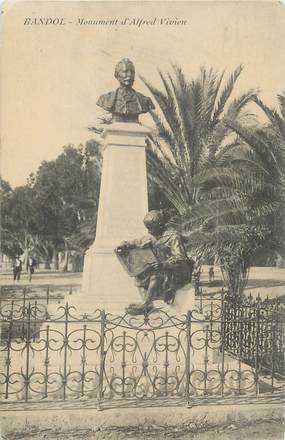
<point>9,246</point>
<point>19,219</point>
<point>67,192</point>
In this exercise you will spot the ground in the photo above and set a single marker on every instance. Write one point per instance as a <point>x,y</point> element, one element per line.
<point>269,430</point>
<point>262,280</point>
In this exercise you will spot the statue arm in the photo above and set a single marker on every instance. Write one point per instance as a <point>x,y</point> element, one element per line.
<point>139,243</point>
<point>178,254</point>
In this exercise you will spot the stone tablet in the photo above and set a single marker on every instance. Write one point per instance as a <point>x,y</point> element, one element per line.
<point>135,261</point>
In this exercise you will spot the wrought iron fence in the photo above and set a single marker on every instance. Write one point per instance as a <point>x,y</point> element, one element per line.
<point>60,354</point>
<point>45,295</point>
<point>254,330</point>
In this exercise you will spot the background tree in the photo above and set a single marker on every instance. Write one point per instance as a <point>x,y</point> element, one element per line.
<point>19,220</point>
<point>67,191</point>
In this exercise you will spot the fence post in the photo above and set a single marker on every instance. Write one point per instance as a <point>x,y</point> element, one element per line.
<point>256,360</point>
<point>28,336</point>
<point>12,310</point>
<point>201,301</point>
<point>8,359</point>
<point>124,364</point>
<point>240,345</point>
<point>273,335</point>
<point>24,302</point>
<point>211,321</point>
<point>102,358</point>
<point>206,359</point>
<point>34,315</point>
<point>46,362</point>
<point>222,349</point>
<point>65,345</point>
<point>47,295</point>
<point>188,355</point>
<point>83,360</point>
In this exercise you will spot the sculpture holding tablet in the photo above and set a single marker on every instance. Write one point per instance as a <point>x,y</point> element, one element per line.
<point>158,262</point>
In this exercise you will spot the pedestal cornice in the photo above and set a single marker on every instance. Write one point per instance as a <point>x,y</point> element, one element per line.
<point>132,128</point>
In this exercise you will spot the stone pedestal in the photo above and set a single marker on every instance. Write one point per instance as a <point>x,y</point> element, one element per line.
<point>123,204</point>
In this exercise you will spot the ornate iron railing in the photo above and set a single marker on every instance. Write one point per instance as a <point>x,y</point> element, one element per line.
<point>254,330</point>
<point>60,354</point>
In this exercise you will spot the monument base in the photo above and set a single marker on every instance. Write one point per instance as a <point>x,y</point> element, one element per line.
<point>113,288</point>
<point>185,299</point>
<point>123,203</point>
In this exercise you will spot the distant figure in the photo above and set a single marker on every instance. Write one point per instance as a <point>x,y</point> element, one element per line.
<point>31,267</point>
<point>196,278</point>
<point>211,274</point>
<point>17,268</point>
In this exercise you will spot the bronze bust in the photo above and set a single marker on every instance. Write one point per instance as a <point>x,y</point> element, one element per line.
<point>125,103</point>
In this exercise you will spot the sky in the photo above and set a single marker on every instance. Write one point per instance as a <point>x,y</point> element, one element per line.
<point>52,76</point>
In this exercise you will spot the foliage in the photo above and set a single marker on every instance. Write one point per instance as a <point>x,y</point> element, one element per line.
<point>56,208</point>
<point>224,186</point>
<point>19,219</point>
<point>233,246</point>
<point>190,130</point>
<point>67,192</point>
<point>267,154</point>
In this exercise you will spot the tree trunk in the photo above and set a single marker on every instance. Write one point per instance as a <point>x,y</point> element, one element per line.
<point>280,262</point>
<point>47,263</point>
<point>77,263</point>
<point>26,252</point>
<point>66,261</point>
<point>235,277</point>
<point>55,259</point>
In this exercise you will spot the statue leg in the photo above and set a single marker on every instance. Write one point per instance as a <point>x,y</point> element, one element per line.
<point>169,297</point>
<point>153,289</point>
<point>148,295</point>
<point>143,293</point>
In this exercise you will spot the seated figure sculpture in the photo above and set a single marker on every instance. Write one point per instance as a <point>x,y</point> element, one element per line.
<point>171,270</point>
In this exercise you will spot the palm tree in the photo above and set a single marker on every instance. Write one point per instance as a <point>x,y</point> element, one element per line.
<point>266,153</point>
<point>207,169</point>
<point>190,129</point>
<point>244,201</point>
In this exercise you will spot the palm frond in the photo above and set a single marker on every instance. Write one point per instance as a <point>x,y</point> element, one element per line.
<point>273,116</point>
<point>226,93</point>
<point>281,99</point>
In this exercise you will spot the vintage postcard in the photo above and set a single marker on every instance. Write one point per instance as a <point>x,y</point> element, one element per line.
<point>142,259</point>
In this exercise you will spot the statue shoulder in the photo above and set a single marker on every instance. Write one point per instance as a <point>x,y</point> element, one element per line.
<point>171,233</point>
<point>173,236</point>
<point>107,100</point>
<point>146,101</point>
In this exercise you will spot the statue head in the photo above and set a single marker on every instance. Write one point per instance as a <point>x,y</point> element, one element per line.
<point>154,221</point>
<point>125,72</point>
